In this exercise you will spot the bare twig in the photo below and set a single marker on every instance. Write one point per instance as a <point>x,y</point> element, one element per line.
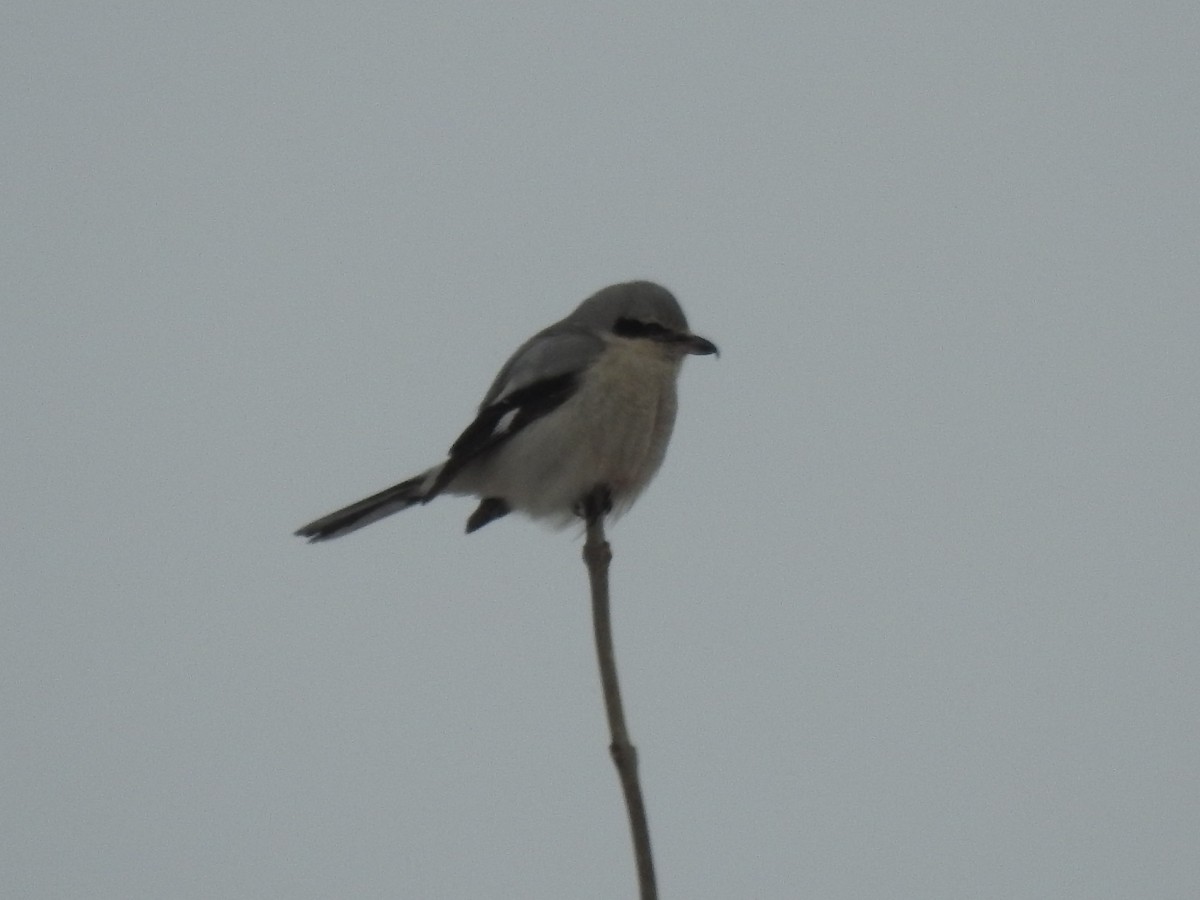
<point>597,554</point>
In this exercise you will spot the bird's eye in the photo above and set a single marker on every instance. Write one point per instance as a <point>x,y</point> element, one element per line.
<point>636,328</point>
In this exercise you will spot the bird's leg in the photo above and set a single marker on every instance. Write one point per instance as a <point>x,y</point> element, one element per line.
<point>595,504</point>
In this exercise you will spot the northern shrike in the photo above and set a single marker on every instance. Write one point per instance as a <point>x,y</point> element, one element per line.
<point>583,410</point>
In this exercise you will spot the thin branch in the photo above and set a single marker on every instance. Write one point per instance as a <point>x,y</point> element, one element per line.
<point>597,554</point>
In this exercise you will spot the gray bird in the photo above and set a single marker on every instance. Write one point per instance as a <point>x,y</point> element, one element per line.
<point>575,423</point>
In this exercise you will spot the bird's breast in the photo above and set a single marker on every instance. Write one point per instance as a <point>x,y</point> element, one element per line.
<point>628,405</point>
<point>613,430</point>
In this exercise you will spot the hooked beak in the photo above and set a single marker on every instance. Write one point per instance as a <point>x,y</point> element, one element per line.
<point>698,346</point>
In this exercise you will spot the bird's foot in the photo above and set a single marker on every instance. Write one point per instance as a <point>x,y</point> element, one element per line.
<point>595,504</point>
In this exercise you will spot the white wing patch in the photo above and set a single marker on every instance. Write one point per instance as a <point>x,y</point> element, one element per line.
<point>505,422</point>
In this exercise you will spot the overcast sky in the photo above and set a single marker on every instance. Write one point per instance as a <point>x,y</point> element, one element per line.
<point>912,608</point>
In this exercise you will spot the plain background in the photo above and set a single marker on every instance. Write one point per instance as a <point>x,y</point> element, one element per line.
<point>912,609</point>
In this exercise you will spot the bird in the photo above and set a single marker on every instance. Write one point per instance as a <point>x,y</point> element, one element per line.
<point>575,424</point>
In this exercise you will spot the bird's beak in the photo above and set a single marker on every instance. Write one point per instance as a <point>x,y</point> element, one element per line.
<point>698,346</point>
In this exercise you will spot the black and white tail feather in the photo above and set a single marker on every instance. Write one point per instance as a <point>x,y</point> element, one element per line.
<point>496,423</point>
<point>585,405</point>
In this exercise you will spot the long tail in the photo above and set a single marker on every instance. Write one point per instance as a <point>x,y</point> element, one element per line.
<point>371,509</point>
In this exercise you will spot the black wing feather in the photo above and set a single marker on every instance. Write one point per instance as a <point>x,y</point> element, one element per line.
<point>481,438</point>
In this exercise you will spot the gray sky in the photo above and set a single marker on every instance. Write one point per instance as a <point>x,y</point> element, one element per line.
<point>911,611</point>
